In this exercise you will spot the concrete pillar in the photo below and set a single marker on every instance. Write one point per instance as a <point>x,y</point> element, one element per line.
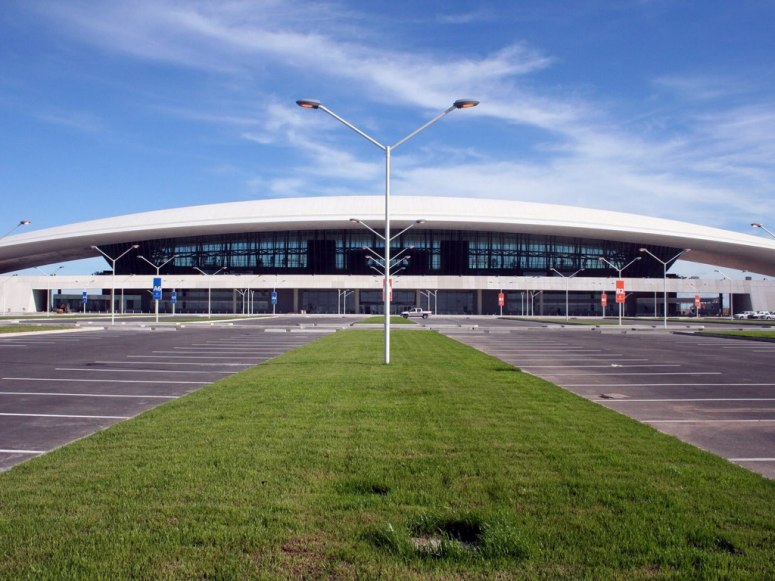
<point>478,301</point>
<point>295,300</point>
<point>357,298</point>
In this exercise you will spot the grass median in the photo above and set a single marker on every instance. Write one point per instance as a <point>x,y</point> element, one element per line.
<point>326,463</point>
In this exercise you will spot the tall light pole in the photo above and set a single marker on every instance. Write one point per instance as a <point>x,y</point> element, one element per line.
<point>209,286</point>
<point>459,104</point>
<point>567,283</point>
<point>731,307</point>
<point>19,225</point>
<point>619,271</point>
<point>48,286</point>
<point>113,278</point>
<point>760,226</point>
<point>664,275</point>
<point>158,268</point>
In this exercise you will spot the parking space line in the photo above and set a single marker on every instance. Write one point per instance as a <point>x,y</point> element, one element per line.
<point>174,363</point>
<point>636,373</point>
<point>88,394</point>
<point>104,369</point>
<point>609,366</point>
<point>740,459</point>
<point>760,421</point>
<point>67,416</point>
<point>7,451</point>
<point>621,385</point>
<point>103,380</point>
<point>684,399</point>
<point>183,356</point>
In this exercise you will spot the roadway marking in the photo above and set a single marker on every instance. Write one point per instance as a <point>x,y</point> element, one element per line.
<point>707,421</point>
<point>87,394</point>
<point>185,356</point>
<point>103,380</point>
<point>656,373</point>
<point>67,416</point>
<point>103,369</point>
<point>6,451</point>
<point>684,399</point>
<point>172,363</point>
<point>609,366</point>
<point>669,385</point>
<point>735,459</point>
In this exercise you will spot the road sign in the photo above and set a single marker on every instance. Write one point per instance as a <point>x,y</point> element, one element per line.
<point>274,297</point>
<point>84,297</point>
<point>174,297</point>
<point>620,296</point>
<point>501,299</point>
<point>603,300</point>
<point>157,288</point>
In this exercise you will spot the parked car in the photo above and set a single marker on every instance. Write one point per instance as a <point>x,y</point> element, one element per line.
<point>745,315</point>
<point>416,312</point>
<point>761,315</point>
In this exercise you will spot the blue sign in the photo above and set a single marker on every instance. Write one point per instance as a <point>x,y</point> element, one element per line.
<point>274,297</point>
<point>84,297</point>
<point>174,297</point>
<point>157,288</point>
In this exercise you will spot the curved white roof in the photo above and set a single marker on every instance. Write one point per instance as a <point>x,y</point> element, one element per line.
<point>709,245</point>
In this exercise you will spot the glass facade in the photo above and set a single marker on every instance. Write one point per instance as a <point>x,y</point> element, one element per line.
<point>432,252</point>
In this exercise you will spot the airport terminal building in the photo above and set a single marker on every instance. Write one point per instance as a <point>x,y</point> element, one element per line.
<point>321,255</point>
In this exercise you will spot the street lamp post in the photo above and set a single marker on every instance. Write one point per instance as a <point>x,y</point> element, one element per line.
<point>113,278</point>
<point>158,269</point>
<point>731,307</point>
<point>48,287</point>
<point>567,283</point>
<point>19,225</point>
<point>619,272</point>
<point>664,276</point>
<point>209,286</point>
<point>314,104</point>
<point>760,226</point>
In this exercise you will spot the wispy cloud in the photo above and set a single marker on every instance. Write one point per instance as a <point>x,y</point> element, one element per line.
<point>81,121</point>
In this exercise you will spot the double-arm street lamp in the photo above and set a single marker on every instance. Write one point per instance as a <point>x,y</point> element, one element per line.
<point>113,279</point>
<point>731,307</point>
<point>760,226</point>
<point>459,104</point>
<point>619,271</point>
<point>48,286</point>
<point>209,286</point>
<point>12,230</point>
<point>567,283</point>
<point>664,275</point>
<point>158,269</point>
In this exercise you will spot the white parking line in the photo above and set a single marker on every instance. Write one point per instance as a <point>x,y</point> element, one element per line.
<point>67,416</point>
<point>739,459</point>
<point>136,370</point>
<point>7,451</point>
<point>609,366</point>
<point>636,373</point>
<point>707,421</point>
<point>621,385</point>
<point>174,363</point>
<point>103,380</point>
<point>684,399</point>
<point>88,394</point>
<point>183,356</point>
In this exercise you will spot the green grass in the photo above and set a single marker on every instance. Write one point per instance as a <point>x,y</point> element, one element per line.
<point>29,328</point>
<point>379,320</point>
<point>325,463</point>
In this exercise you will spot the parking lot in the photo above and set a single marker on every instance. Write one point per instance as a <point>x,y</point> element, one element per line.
<point>57,388</point>
<point>718,394</point>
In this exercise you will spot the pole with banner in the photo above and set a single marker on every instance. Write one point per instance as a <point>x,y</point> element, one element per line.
<point>173,300</point>
<point>620,296</point>
<point>501,301</point>
<point>84,299</point>
<point>697,305</point>
<point>157,294</point>
<point>604,302</point>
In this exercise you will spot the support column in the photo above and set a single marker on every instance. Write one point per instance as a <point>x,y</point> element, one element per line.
<point>478,301</point>
<point>295,300</point>
<point>357,298</point>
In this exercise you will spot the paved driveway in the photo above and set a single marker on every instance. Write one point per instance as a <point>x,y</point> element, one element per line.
<point>718,394</point>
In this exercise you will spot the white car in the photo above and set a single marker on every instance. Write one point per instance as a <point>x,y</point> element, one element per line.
<point>416,312</point>
<point>745,315</point>
<point>761,315</point>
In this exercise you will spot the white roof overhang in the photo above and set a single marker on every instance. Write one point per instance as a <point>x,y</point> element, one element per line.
<point>74,241</point>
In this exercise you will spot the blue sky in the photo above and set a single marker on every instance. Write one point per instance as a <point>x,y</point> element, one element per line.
<point>657,107</point>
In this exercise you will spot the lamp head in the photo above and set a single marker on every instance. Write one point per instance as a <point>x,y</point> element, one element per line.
<point>421,221</point>
<point>24,222</point>
<point>465,103</point>
<point>135,246</point>
<point>308,103</point>
<point>641,250</point>
<point>756,225</point>
<point>355,220</point>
